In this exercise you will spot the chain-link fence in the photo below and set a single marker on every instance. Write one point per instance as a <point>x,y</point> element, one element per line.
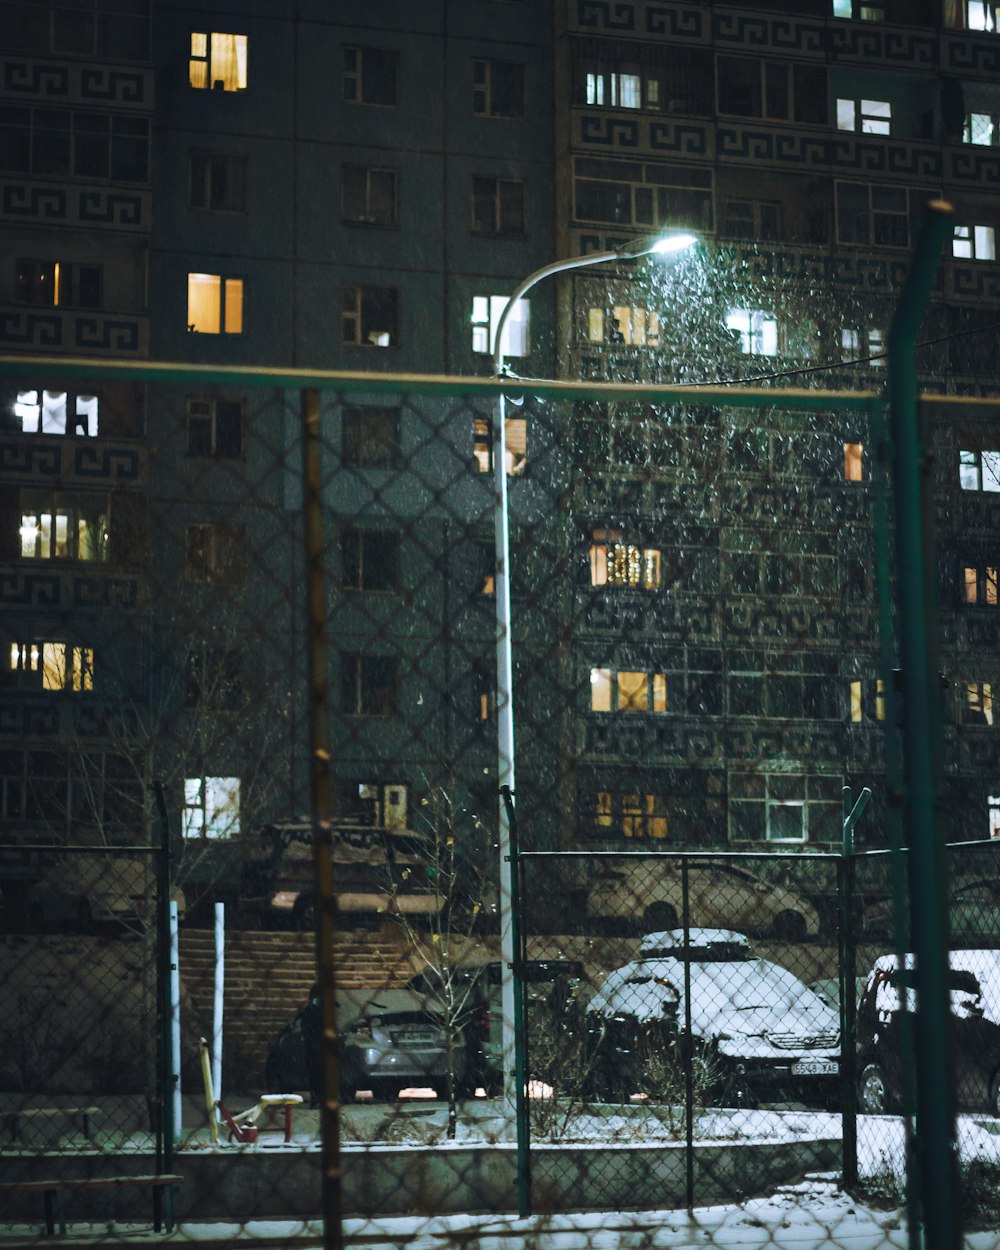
<point>697,677</point>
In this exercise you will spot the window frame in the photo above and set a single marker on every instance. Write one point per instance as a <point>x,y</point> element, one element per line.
<point>203,51</point>
<point>359,683</point>
<point>216,447</point>
<point>361,539</point>
<point>494,228</point>
<point>355,297</point>
<point>211,163</point>
<point>354,77</point>
<point>486,92</point>
<point>231,291</point>
<point>366,217</point>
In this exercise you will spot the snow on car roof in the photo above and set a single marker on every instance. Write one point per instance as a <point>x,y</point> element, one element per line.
<point>671,940</point>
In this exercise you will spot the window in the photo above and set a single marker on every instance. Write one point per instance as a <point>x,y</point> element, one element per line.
<point>619,561</point>
<point>980,15</point>
<point>369,195</point>
<point>872,214</point>
<point>370,316</point>
<point>486,313</point>
<point>56,284</point>
<point>860,10</point>
<point>214,553</point>
<point>486,554</point>
<point>215,428</point>
<point>628,325</point>
<point>978,709</point>
<point>218,62</point>
<point>993,807</point>
<point>865,343</point>
<point>751,219</point>
<point>982,129</point>
<point>515,437</point>
<point>615,690</point>
<point>73,143</point>
<point>865,117</point>
<point>211,807</point>
<point>53,666</point>
<point>756,331</point>
<point>497,89</point>
<point>63,526</point>
<point>979,470</point>
<point>370,437</point>
<point>867,701</point>
<point>628,193</point>
<point>369,560</point>
<point>370,75</point>
<point>214,679</point>
<point>783,686</point>
<point>218,181</point>
<point>853,462</point>
<point>979,585</point>
<point>775,90</point>
<point>215,304</point>
<point>974,243</point>
<point>56,412</point>
<point>627,87</point>
<point>484,692</point>
<point>370,685</point>
<point>497,206</point>
<point>784,807</point>
<point>634,814</point>
<point>103,29</point>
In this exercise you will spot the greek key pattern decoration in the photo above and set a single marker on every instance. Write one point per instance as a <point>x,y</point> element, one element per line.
<point>974,164</point>
<point>120,593</point>
<point>32,459</point>
<point>963,54</point>
<point>100,462</point>
<point>31,329</point>
<point>30,590</point>
<point>675,21</point>
<point>39,81</point>
<point>685,137</point>
<point>614,15</point>
<point>972,282</point>
<point>751,31</point>
<point>111,334</point>
<point>93,206</point>
<point>868,41</point>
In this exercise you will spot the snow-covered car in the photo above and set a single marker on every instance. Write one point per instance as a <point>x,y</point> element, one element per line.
<point>974,986</point>
<point>85,890</point>
<point>389,1039</point>
<point>754,1024</point>
<point>651,893</point>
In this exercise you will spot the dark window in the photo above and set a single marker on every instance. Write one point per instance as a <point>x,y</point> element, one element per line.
<point>218,181</point>
<point>214,679</point>
<point>370,316</point>
<point>751,219</point>
<point>876,215</point>
<point>370,437</point>
<point>370,685</point>
<point>370,75</point>
<point>776,90</point>
<point>215,428</point>
<point>497,206</point>
<point>57,284</point>
<point>497,89</point>
<point>369,560</point>
<point>369,195</point>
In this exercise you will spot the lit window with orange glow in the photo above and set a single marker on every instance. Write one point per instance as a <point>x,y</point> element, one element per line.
<point>218,61</point>
<point>853,453</point>
<point>215,304</point>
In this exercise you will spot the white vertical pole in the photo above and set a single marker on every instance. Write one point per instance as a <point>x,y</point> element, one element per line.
<point>175,1019</point>
<point>217,1002</point>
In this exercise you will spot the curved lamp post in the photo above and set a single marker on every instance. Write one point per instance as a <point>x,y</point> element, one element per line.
<point>663,244</point>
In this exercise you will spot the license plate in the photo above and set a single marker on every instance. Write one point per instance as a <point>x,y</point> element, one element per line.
<point>417,1037</point>
<point>815,1067</point>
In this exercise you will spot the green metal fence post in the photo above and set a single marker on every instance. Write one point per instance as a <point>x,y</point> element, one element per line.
<point>320,788</point>
<point>848,980</point>
<point>521,1103</point>
<point>935,1150</point>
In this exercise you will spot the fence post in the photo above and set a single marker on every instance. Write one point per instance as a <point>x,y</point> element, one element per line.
<point>521,1103</point>
<point>320,793</point>
<point>169,1065</point>
<point>848,997</point>
<point>936,1153</point>
<point>687,1042</point>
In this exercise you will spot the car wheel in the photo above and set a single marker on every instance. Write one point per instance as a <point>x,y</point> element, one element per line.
<point>873,1091</point>
<point>790,926</point>
<point>384,1091</point>
<point>660,916</point>
<point>304,912</point>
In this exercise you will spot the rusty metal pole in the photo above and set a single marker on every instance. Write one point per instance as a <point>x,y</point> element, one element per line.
<point>320,794</point>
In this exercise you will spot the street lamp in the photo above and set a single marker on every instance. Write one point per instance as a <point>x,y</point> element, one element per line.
<point>651,244</point>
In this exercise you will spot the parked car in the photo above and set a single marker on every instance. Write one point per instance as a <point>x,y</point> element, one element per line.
<point>388,1040</point>
<point>974,983</point>
<point>754,1024</point>
<point>85,891</point>
<point>719,894</point>
<point>554,991</point>
<point>973,914</point>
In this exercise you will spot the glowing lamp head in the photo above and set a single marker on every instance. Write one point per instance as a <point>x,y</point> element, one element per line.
<point>657,244</point>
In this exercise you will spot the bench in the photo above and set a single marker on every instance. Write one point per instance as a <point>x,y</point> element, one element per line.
<point>52,1192</point>
<point>19,1118</point>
